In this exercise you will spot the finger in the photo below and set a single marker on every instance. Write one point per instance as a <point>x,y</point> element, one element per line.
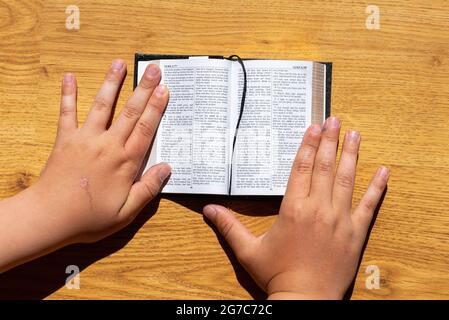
<point>234,232</point>
<point>144,190</point>
<point>67,116</point>
<point>363,214</point>
<point>136,104</point>
<point>302,168</point>
<point>142,135</point>
<point>324,166</point>
<point>345,176</point>
<point>100,113</point>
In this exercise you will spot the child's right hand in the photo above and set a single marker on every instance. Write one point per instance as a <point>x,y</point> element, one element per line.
<point>313,248</point>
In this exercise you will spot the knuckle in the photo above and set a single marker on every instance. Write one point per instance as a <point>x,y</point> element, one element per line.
<point>148,82</point>
<point>294,213</point>
<point>101,104</point>
<point>158,107</point>
<point>225,225</point>
<point>66,110</point>
<point>125,219</point>
<point>130,165</point>
<point>145,128</point>
<point>331,137</point>
<point>298,208</point>
<point>131,111</point>
<point>379,185</point>
<point>113,75</point>
<point>350,148</point>
<point>313,146</point>
<point>347,233</point>
<point>325,167</point>
<point>151,189</point>
<point>67,89</point>
<point>346,229</point>
<point>370,205</point>
<point>96,151</point>
<point>326,219</point>
<point>345,180</point>
<point>304,165</point>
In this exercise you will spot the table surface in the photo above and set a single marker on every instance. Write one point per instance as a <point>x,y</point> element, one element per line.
<point>392,84</point>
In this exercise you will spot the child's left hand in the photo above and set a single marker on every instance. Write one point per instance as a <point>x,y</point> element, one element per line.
<point>90,173</point>
<point>87,189</point>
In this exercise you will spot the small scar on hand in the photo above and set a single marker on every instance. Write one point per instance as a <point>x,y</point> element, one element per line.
<point>84,184</point>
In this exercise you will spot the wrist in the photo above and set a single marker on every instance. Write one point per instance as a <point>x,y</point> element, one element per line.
<point>54,212</point>
<point>296,286</point>
<point>302,296</point>
<point>33,228</point>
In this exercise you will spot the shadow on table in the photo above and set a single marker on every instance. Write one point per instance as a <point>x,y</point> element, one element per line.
<point>39,278</point>
<point>251,206</point>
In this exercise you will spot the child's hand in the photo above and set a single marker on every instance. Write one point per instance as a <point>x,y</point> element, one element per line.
<point>87,189</point>
<point>90,174</point>
<point>313,248</point>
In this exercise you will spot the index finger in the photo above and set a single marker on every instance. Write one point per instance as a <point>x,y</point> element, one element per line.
<point>143,133</point>
<point>136,104</point>
<point>302,168</point>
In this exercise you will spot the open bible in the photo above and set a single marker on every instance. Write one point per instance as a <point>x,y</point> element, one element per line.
<point>196,133</point>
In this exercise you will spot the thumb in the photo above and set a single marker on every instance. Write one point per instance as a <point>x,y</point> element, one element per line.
<point>236,234</point>
<point>144,190</point>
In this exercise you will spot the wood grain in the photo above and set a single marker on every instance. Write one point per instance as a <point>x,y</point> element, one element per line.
<point>391,84</point>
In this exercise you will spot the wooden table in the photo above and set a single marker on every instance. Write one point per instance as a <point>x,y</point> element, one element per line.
<point>391,84</point>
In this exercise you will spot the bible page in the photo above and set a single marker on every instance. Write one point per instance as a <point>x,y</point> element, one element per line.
<point>276,114</point>
<point>193,134</point>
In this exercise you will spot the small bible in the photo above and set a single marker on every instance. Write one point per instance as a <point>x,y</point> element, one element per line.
<point>233,126</point>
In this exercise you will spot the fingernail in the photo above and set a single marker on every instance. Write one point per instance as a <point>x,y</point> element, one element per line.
<point>117,65</point>
<point>153,70</point>
<point>315,129</point>
<point>352,136</point>
<point>209,211</point>
<point>383,172</point>
<point>161,89</point>
<point>164,172</point>
<point>68,78</point>
<point>332,122</point>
